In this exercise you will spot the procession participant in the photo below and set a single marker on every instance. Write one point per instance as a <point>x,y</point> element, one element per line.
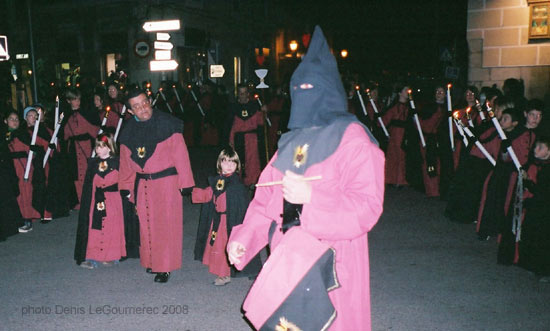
<point>154,168</point>
<point>100,231</point>
<point>430,117</point>
<point>534,245</point>
<point>10,217</point>
<point>30,199</point>
<point>275,109</point>
<point>224,204</point>
<point>503,180</point>
<point>469,116</point>
<point>532,208</point>
<point>395,119</point>
<point>114,99</point>
<point>80,131</point>
<point>113,115</point>
<point>247,136</point>
<point>301,218</point>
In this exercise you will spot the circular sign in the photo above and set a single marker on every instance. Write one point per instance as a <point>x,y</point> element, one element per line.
<point>142,48</point>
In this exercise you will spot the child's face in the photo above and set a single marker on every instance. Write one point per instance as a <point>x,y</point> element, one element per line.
<point>12,121</point>
<point>102,151</point>
<point>75,103</point>
<point>506,122</point>
<point>533,118</point>
<point>228,167</point>
<point>542,152</point>
<point>97,101</point>
<point>31,118</point>
<point>113,92</point>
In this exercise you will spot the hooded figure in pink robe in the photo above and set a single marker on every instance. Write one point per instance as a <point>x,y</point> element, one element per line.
<point>345,203</point>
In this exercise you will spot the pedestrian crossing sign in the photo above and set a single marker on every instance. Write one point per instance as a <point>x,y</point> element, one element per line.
<point>4,56</point>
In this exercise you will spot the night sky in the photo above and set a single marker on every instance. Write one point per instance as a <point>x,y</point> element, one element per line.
<point>389,34</point>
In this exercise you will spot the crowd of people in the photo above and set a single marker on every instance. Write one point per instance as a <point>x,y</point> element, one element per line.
<point>483,151</point>
<point>121,160</point>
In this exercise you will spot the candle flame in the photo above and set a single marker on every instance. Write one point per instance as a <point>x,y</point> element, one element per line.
<point>468,110</point>
<point>456,114</point>
<point>449,86</point>
<point>108,108</point>
<point>189,86</point>
<point>357,87</point>
<point>409,91</point>
<point>256,96</point>
<point>174,86</point>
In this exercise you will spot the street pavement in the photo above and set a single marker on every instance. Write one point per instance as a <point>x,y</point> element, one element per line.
<point>426,274</point>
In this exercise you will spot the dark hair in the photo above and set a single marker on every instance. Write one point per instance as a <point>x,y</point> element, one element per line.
<point>514,113</point>
<point>543,140</point>
<point>72,94</point>
<point>535,104</point>
<point>229,154</point>
<point>9,112</point>
<point>132,93</point>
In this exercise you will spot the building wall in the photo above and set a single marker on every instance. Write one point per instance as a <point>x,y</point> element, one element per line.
<point>497,34</point>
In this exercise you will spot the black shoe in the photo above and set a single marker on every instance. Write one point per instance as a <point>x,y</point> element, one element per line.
<point>149,271</point>
<point>45,220</point>
<point>162,277</point>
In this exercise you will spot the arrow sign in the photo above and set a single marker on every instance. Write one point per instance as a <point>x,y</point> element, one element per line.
<point>163,36</point>
<point>4,56</point>
<point>163,65</point>
<point>163,45</point>
<point>216,71</point>
<point>155,26</point>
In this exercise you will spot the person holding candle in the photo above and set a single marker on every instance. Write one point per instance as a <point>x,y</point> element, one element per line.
<point>503,180</point>
<point>302,220</point>
<point>80,130</point>
<point>30,199</point>
<point>112,114</point>
<point>114,100</point>
<point>396,119</point>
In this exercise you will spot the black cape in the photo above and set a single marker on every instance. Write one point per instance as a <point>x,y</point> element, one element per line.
<point>237,201</point>
<point>10,216</point>
<point>131,223</point>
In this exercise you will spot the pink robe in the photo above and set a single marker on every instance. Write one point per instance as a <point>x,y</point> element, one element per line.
<point>159,202</point>
<point>107,244</point>
<point>214,256</point>
<point>395,155</point>
<point>77,125</point>
<point>344,206</point>
<point>24,199</point>
<point>252,157</point>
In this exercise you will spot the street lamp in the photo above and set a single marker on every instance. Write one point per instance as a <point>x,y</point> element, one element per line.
<point>293,45</point>
<point>344,53</point>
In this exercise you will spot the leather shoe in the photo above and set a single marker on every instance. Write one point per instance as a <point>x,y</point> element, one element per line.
<point>162,277</point>
<point>149,271</point>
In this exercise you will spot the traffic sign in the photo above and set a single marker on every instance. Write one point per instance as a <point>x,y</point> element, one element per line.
<point>4,55</point>
<point>163,65</point>
<point>165,45</point>
<point>142,48</point>
<point>154,26</point>
<point>216,71</point>
<point>163,55</point>
<point>163,36</point>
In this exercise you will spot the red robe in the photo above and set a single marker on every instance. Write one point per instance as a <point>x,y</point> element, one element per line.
<point>107,244</point>
<point>345,204</point>
<point>77,125</point>
<point>395,155</point>
<point>24,200</point>
<point>112,119</point>
<point>429,128</point>
<point>252,163</point>
<point>159,202</point>
<point>214,255</point>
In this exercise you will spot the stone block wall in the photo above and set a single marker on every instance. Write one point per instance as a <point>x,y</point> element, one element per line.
<point>497,34</point>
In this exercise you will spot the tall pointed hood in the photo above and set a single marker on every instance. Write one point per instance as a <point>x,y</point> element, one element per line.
<point>318,96</point>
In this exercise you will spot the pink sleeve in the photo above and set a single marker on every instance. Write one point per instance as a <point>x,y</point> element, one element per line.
<point>181,161</point>
<point>253,232</point>
<point>351,207</point>
<point>201,195</point>
<point>126,175</point>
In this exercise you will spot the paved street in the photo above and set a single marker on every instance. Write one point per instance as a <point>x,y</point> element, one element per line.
<point>426,274</point>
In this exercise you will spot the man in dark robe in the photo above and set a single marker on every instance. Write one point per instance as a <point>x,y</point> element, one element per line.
<point>154,170</point>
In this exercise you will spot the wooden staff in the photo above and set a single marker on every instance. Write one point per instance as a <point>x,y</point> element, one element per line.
<point>257,97</point>
<point>33,142</point>
<point>280,182</point>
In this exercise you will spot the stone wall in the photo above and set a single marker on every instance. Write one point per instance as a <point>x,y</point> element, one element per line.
<point>497,34</point>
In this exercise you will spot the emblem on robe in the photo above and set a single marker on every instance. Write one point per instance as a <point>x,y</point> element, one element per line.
<point>300,155</point>
<point>141,152</point>
<point>285,325</point>
<point>244,113</point>
<point>8,135</point>
<point>100,206</point>
<point>213,236</point>
<point>103,166</point>
<point>220,184</point>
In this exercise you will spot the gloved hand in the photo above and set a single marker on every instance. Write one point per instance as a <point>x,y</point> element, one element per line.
<point>295,189</point>
<point>125,194</point>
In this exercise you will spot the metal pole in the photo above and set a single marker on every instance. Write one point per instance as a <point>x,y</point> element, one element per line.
<point>35,93</point>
